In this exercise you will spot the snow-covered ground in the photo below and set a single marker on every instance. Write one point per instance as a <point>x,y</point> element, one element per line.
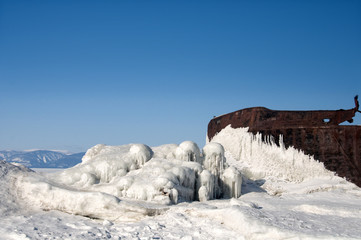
<point>173,192</point>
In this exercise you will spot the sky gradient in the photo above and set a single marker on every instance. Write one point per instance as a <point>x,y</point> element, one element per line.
<point>77,73</point>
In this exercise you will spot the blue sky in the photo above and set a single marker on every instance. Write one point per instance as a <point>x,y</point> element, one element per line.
<point>77,73</point>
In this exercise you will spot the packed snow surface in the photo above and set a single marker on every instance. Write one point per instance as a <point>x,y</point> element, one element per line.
<point>236,187</point>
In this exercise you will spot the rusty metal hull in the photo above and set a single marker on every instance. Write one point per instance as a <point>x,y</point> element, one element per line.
<point>317,133</point>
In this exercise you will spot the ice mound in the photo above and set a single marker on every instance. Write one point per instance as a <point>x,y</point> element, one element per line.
<point>102,163</point>
<point>109,179</point>
<point>188,151</point>
<point>162,181</point>
<point>165,174</point>
<point>141,154</point>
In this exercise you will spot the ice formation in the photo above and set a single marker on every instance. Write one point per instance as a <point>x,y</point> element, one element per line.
<point>126,183</point>
<point>109,177</point>
<point>224,181</point>
<point>265,160</point>
<point>188,151</point>
<point>333,214</point>
<point>214,160</point>
<point>165,174</point>
<point>232,183</point>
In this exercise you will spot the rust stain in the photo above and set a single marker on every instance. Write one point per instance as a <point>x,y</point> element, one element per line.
<point>317,133</point>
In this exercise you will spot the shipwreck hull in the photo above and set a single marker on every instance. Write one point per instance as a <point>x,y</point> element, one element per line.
<point>317,133</point>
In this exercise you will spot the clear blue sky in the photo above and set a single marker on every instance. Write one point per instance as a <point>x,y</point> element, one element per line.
<point>77,73</point>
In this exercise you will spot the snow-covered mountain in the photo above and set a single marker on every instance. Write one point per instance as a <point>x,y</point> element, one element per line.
<point>42,158</point>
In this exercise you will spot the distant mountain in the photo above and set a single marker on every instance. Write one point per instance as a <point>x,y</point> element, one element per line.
<point>42,158</point>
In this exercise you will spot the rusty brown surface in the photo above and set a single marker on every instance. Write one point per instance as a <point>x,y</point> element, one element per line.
<point>317,133</point>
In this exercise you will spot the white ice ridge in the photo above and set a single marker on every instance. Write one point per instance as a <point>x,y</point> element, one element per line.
<point>111,176</point>
<point>258,159</point>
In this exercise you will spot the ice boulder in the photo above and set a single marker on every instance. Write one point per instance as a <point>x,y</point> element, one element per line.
<point>188,151</point>
<point>141,154</point>
<point>131,171</point>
